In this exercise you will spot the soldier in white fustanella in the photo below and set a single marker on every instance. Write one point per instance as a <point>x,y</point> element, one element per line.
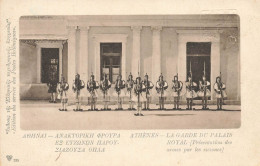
<point>221,94</point>
<point>92,86</point>
<point>129,87</point>
<point>105,85</point>
<point>77,86</point>
<point>161,87</point>
<point>138,89</point>
<point>119,86</point>
<point>62,89</point>
<point>148,86</point>
<point>177,87</point>
<point>190,92</point>
<point>204,92</point>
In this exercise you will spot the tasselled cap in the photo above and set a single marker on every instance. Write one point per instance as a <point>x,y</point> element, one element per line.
<point>92,75</point>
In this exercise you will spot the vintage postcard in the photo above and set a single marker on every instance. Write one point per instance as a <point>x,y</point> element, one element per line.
<point>116,83</point>
<point>103,70</point>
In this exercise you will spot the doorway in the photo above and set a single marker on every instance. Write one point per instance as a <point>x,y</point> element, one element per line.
<point>49,64</point>
<point>198,58</point>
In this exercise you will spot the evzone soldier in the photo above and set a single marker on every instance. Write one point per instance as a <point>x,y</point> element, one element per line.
<point>148,86</point>
<point>220,88</point>
<point>190,93</point>
<point>177,87</point>
<point>52,84</point>
<point>92,86</point>
<point>63,87</point>
<point>138,89</point>
<point>120,84</point>
<point>204,92</point>
<point>105,84</point>
<point>129,87</point>
<point>160,87</point>
<point>77,86</point>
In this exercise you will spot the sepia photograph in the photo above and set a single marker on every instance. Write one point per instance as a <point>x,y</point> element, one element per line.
<point>129,72</point>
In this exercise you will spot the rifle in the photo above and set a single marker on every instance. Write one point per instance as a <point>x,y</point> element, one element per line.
<point>161,87</point>
<point>191,83</point>
<point>205,82</point>
<point>178,90</point>
<point>176,85</point>
<point>147,89</point>
<point>118,89</point>
<point>103,88</point>
<point>104,83</point>
<point>161,93</point>
<point>130,95</point>
<point>222,97</point>
<point>129,86</point>
<point>139,90</point>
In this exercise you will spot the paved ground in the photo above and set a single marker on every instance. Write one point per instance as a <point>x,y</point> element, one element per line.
<point>45,116</point>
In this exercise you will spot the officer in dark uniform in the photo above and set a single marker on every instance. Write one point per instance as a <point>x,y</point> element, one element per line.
<point>52,84</point>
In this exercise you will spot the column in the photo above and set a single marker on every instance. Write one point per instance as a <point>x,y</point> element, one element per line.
<point>156,53</point>
<point>124,63</point>
<point>38,78</point>
<point>136,50</point>
<point>215,65</point>
<point>60,62</point>
<point>182,58</point>
<point>83,53</point>
<point>71,57</point>
<point>95,67</point>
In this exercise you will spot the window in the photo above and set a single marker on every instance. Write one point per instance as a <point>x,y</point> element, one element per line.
<point>111,54</point>
<point>49,64</point>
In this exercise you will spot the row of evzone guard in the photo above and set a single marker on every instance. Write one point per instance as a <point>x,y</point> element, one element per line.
<point>140,90</point>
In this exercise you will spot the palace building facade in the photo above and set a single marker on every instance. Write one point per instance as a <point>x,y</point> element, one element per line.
<point>152,44</point>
